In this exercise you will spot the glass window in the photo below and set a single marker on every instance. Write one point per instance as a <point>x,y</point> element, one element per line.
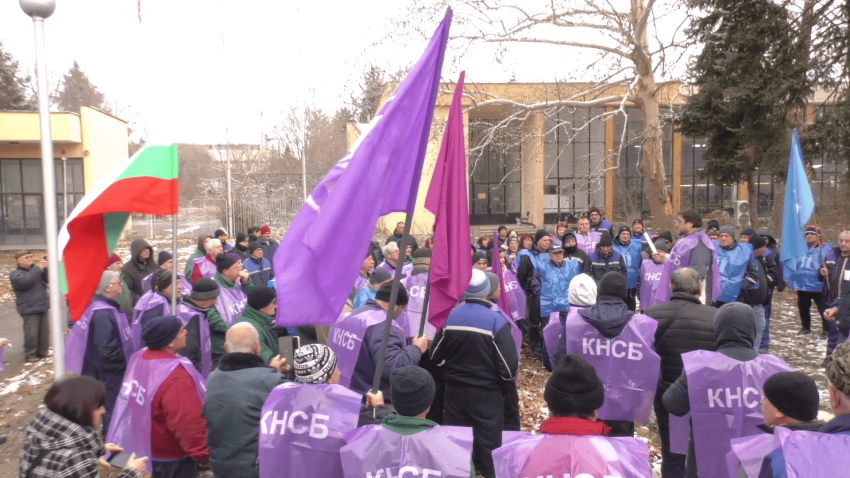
<point>32,176</point>
<point>10,170</point>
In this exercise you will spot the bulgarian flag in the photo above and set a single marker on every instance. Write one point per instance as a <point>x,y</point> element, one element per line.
<point>147,184</point>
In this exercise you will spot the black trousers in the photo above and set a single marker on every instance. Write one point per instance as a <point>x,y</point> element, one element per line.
<point>36,334</point>
<point>511,395</point>
<point>531,327</point>
<point>804,307</point>
<point>436,412</point>
<point>112,381</point>
<point>631,299</point>
<point>620,428</point>
<point>182,468</point>
<point>484,411</point>
<point>672,464</point>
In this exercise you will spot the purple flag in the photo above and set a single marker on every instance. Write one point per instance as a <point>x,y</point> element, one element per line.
<point>680,256</point>
<point>77,338</point>
<point>514,293</point>
<point>571,455</point>
<point>496,268</point>
<point>130,427</point>
<point>378,176</point>
<point>627,365</point>
<point>447,198</point>
<point>725,395</point>
<point>302,428</point>
<point>411,316</point>
<point>588,242</point>
<point>553,330</point>
<point>346,336</point>
<point>814,454</point>
<point>516,334</point>
<point>650,273</point>
<point>376,451</point>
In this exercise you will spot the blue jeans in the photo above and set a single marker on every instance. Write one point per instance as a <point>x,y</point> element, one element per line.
<point>758,310</point>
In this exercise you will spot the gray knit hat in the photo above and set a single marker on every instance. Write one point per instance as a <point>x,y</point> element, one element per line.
<point>494,282</point>
<point>314,363</point>
<point>728,230</point>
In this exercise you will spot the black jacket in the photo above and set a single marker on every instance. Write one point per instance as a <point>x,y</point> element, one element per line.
<point>525,271</point>
<point>30,287</point>
<point>577,254</point>
<point>734,338</point>
<point>104,349</point>
<point>767,281</point>
<point>601,264</point>
<point>609,316</point>
<point>684,325</point>
<point>407,239</point>
<point>134,271</point>
<point>475,347</point>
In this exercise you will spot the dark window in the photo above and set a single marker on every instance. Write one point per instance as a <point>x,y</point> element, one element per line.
<point>495,171</point>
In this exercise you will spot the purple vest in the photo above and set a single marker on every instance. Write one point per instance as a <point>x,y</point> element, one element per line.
<point>553,330</point>
<point>679,257</point>
<point>346,336</point>
<point>130,427</point>
<point>650,273</point>
<point>231,302</point>
<point>814,454</point>
<point>514,293</point>
<point>747,453</point>
<point>360,282</point>
<point>148,301</point>
<point>410,317</point>
<point>588,243</point>
<point>303,426</point>
<point>516,333</point>
<point>187,287</point>
<point>532,456</point>
<point>374,451</point>
<point>626,364</point>
<point>207,268</point>
<point>78,337</point>
<point>725,395</point>
<point>680,433</point>
<point>406,269</point>
<point>185,314</point>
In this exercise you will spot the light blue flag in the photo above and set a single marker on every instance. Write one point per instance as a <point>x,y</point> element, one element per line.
<point>319,256</point>
<point>799,205</point>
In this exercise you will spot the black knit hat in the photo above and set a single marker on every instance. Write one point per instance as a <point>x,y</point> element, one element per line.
<point>412,389</point>
<point>540,234</point>
<point>569,236</point>
<point>422,253</point>
<point>666,235</point>
<point>260,296</point>
<point>794,394</point>
<point>480,256</point>
<point>748,232</point>
<point>224,262</point>
<point>253,247</point>
<point>574,388</point>
<point>204,289</point>
<point>757,241</point>
<point>162,278</point>
<point>623,228</point>
<point>241,237</point>
<point>379,275</point>
<point>384,292</point>
<point>605,240</point>
<point>218,233</point>
<point>163,257</point>
<point>158,332</point>
<point>612,284</point>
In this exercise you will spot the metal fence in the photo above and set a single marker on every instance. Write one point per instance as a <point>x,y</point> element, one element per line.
<point>204,215</point>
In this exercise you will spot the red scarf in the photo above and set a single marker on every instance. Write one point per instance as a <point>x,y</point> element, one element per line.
<point>574,426</point>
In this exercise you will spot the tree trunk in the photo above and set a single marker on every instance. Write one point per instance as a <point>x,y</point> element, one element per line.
<point>658,194</point>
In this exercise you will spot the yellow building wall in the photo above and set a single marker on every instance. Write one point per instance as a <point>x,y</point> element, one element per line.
<point>23,127</point>
<point>104,141</point>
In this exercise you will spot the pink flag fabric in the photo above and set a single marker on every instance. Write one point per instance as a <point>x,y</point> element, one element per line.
<point>451,266</point>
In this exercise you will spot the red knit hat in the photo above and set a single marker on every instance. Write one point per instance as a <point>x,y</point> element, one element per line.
<point>113,259</point>
<point>265,229</point>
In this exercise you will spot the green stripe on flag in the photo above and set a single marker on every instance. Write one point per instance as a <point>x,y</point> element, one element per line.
<point>63,283</point>
<point>153,161</point>
<point>113,224</point>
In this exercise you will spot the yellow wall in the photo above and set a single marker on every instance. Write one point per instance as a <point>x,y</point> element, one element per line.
<point>105,139</point>
<point>22,126</point>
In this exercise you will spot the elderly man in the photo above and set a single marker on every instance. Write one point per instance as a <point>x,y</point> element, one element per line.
<point>205,266</point>
<point>155,303</point>
<point>684,325</point>
<point>100,344</point>
<point>233,419</point>
<point>234,284</point>
<point>140,265</point>
<point>29,282</point>
<point>259,312</point>
<point>599,224</point>
<point>125,300</point>
<point>391,260</point>
<point>259,268</point>
<point>268,244</point>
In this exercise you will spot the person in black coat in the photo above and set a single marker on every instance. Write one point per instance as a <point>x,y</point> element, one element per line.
<point>573,253</point>
<point>684,325</point>
<point>531,333</point>
<point>104,359</point>
<point>141,264</point>
<point>734,336</point>
<point>779,286</point>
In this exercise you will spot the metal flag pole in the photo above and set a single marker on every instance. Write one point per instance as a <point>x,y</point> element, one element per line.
<point>388,323</point>
<point>425,305</point>
<point>38,10</point>
<point>174,264</point>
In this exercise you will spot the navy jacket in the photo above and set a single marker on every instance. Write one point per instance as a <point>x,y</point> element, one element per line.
<point>260,271</point>
<point>30,290</point>
<point>104,350</point>
<point>600,265</point>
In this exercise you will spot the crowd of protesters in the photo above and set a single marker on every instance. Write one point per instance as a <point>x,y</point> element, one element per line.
<point>626,323</point>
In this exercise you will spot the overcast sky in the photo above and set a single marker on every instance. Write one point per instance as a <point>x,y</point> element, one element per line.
<point>193,68</point>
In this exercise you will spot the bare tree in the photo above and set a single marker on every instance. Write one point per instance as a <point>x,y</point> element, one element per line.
<point>625,59</point>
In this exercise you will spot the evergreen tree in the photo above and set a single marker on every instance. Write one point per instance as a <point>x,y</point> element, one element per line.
<point>78,90</point>
<point>750,75</point>
<point>13,84</point>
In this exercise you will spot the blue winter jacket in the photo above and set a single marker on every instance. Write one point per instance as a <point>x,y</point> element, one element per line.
<point>260,271</point>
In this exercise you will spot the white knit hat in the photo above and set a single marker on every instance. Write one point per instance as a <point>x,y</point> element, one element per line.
<point>582,291</point>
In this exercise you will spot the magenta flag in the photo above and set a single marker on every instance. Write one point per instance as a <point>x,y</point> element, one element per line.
<point>451,266</point>
<point>497,269</point>
<point>378,176</point>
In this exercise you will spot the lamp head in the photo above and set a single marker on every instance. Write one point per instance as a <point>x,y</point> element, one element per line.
<point>38,8</point>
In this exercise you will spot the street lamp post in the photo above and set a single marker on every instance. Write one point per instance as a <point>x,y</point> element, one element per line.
<point>64,186</point>
<point>38,10</point>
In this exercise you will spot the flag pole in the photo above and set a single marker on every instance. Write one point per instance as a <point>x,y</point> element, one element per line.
<point>425,305</point>
<point>388,323</point>
<point>174,264</point>
<point>822,256</point>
